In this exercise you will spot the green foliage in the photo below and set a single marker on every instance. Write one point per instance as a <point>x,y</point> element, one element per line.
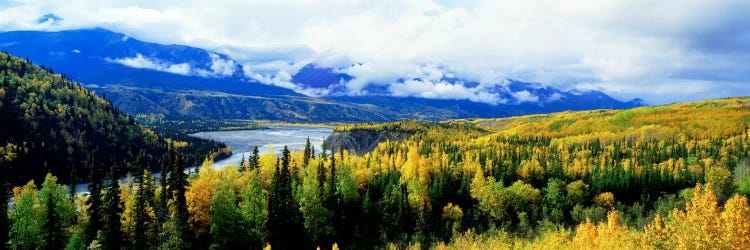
<point>227,221</point>
<point>41,218</point>
<point>284,217</point>
<point>26,230</point>
<point>76,242</point>
<point>56,124</point>
<point>113,207</point>
<point>253,208</point>
<point>316,216</point>
<point>721,180</point>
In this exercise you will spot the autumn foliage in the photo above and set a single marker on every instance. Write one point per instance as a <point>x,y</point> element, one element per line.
<point>668,177</point>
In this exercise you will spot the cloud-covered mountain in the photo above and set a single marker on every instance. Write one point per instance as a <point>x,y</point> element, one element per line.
<point>102,57</point>
<point>448,87</point>
<point>180,80</point>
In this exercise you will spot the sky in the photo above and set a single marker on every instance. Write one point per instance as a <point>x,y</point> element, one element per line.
<point>661,51</point>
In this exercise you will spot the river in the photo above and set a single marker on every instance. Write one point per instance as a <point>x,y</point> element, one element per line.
<point>243,142</point>
<point>276,137</point>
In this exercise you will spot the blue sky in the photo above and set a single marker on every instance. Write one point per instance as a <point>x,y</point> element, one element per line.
<point>662,51</point>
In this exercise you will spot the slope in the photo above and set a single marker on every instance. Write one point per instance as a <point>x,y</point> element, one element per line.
<point>55,125</point>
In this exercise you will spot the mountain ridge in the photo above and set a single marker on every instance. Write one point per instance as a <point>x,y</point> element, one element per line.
<point>139,77</point>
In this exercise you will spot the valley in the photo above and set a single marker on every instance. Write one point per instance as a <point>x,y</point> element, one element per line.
<point>445,125</point>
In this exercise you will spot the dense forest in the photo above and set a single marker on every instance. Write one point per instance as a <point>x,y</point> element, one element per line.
<point>664,177</point>
<point>54,125</point>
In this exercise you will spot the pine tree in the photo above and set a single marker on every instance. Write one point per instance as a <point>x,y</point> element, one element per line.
<point>73,183</point>
<point>307,153</point>
<point>95,197</point>
<point>141,218</point>
<point>162,208</point>
<point>284,218</point>
<point>255,160</point>
<point>113,208</point>
<point>4,223</point>
<point>242,163</point>
<point>177,186</point>
<point>198,162</point>
<point>53,230</point>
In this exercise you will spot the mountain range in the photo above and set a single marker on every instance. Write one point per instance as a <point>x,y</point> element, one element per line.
<point>183,81</point>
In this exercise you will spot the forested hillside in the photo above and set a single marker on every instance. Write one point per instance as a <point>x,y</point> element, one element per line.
<point>668,177</point>
<point>54,125</point>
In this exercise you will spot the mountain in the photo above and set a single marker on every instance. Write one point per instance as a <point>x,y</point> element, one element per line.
<point>98,56</point>
<point>517,97</point>
<point>175,80</point>
<point>54,125</point>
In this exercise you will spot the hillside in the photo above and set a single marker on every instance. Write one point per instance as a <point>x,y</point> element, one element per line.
<point>55,125</point>
<point>220,105</point>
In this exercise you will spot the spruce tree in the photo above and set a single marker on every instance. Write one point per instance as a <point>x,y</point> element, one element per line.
<point>161,209</point>
<point>73,183</point>
<point>307,153</point>
<point>242,164</point>
<point>140,216</point>
<point>284,218</point>
<point>177,186</point>
<point>113,207</point>
<point>95,197</point>
<point>4,223</point>
<point>255,160</point>
<point>53,236</point>
<point>198,162</point>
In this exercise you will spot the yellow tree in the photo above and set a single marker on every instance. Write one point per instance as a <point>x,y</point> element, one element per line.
<point>198,196</point>
<point>606,235</point>
<point>735,220</point>
<point>700,226</point>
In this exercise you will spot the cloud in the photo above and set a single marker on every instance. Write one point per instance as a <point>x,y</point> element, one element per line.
<point>442,90</point>
<point>626,48</point>
<point>524,96</point>
<point>141,62</point>
<point>219,67</point>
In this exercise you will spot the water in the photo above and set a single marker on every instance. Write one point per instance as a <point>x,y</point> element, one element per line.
<point>243,141</point>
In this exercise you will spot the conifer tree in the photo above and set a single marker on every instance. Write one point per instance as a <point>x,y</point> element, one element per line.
<point>95,197</point>
<point>161,208</point>
<point>242,163</point>
<point>255,160</point>
<point>113,207</point>
<point>141,218</point>
<point>284,218</point>
<point>307,153</point>
<point>177,186</point>
<point>52,228</point>
<point>6,155</point>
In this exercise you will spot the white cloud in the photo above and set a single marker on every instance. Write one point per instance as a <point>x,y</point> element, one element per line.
<point>524,96</point>
<point>554,97</point>
<point>622,47</point>
<point>442,90</point>
<point>219,67</point>
<point>141,62</point>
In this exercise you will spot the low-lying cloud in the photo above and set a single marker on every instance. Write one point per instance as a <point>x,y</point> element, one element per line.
<point>626,48</point>
<point>141,62</point>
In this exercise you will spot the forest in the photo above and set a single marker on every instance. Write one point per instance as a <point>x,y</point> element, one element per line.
<point>55,125</point>
<point>673,176</point>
